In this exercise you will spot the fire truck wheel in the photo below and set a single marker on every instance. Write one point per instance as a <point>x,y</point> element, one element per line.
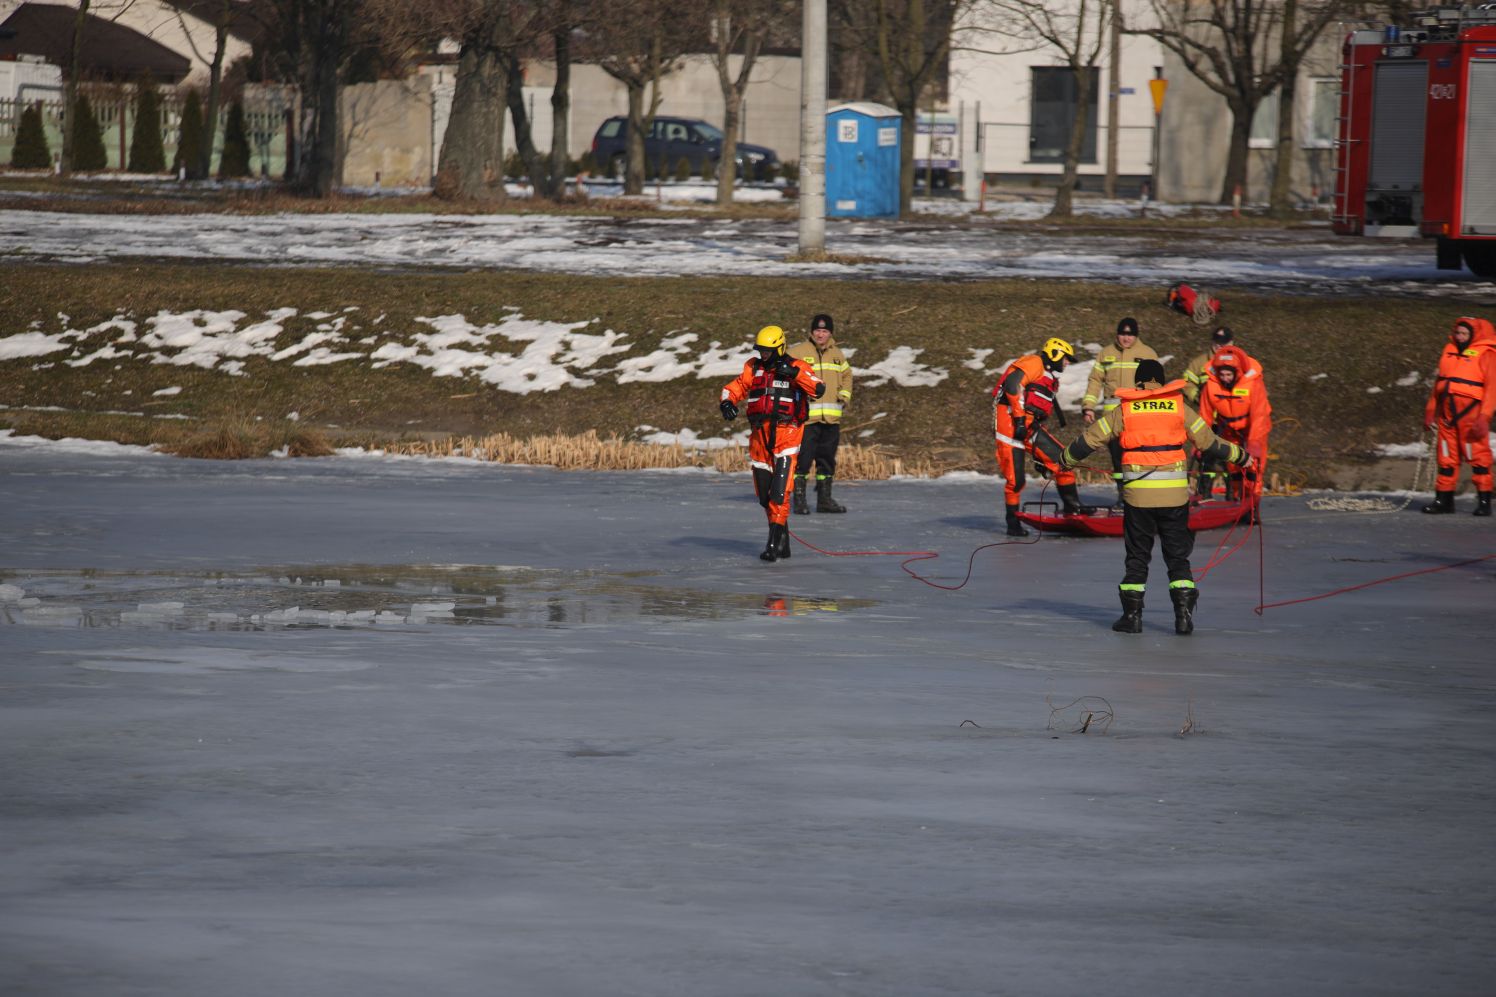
<point>1481,259</point>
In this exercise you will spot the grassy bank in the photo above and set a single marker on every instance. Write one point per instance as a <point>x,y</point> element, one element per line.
<point>1323,357</point>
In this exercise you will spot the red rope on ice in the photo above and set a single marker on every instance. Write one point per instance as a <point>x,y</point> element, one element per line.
<point>910,556</point>
<point>1379,581</point>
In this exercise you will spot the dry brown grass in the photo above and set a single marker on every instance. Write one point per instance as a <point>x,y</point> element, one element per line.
<point>242,438</point>
<point>591,452</point>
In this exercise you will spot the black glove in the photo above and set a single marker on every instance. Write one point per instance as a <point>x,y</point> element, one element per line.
<point>1020,430</point>
<point>729,410</point>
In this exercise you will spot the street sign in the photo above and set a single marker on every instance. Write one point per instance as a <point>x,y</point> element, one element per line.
<point>1158,88</point>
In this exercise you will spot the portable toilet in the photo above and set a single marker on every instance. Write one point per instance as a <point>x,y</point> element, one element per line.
<point>862,161</point>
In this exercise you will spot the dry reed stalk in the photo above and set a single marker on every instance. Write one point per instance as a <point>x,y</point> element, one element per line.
<point>590,452</point>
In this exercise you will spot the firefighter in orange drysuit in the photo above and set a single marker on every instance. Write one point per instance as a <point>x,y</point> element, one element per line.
<point>778,389</point>
<point>1460,408</point>
<point>1021,402</point>
<point>1233,402</point>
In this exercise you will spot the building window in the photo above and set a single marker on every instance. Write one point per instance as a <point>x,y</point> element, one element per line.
<point>1053,112</point>
<point>1324,107</point>
<point>1265,124</point>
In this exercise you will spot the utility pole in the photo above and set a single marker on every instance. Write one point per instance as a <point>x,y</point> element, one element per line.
<point>1113,100</point>
<point>813,128</point>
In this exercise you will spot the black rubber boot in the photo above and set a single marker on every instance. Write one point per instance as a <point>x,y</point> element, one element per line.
<point>1070,496</point>
<point>798,505</point>
<point>1204,485</point>
<point>1482,504</point>
<point>1443,502</point>
<point>1131,620</point>
<point>1184,609</point>
<point>771,550</point>
<point>824,501</point>
<point>784,543</point>
<point>1015,527</point>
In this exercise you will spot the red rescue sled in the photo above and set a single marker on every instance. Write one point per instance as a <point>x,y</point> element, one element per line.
<point>1107,520</point>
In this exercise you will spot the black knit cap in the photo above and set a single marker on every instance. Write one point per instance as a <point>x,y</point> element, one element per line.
<point>1221,336</point>
<point>1148,370</point>
<point>1127,327</point>
<point>822,321</point>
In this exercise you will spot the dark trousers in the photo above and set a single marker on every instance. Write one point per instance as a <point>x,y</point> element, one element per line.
<point>1172,527</point>
<point>819,446</point>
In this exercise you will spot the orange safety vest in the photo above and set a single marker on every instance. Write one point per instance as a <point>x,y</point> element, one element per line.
<point>1153,432</point>
<point>774,392</point>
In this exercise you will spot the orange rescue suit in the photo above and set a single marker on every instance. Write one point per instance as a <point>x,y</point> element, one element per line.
<point>1239,414</point>
<point>1462,405</point>
<point>1015,419</point>
<point>778,397</point>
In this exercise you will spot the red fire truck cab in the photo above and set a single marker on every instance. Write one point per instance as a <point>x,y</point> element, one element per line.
<point>1417,147</point>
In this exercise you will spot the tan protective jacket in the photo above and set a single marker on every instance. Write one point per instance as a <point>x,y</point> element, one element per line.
<point>1113,371</point>
<point>831,366</point>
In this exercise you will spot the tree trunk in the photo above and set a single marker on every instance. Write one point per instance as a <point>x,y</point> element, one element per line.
<point>727,161</point>
<point>633,177</point>
<point>1280,197</point>
<point>524,141</point>
<point>1064,195</point>
<point>470,166</point>
<point>561,113</point>
<point>70,98</point>
<point>325,174</point>
<point>1236,157</point>
<point>204,165</point>
<point>909,124</point>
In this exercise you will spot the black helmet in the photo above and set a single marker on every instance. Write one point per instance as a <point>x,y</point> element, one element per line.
<point>1127,327</point>
<point>822,321</point>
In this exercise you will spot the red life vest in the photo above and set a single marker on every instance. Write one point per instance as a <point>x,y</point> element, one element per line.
<point>774,392</point>
<point>1038,396</point>
<point>1153,432</point>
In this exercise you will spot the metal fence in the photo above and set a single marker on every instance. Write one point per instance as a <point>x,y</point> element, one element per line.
<point>266,116</point>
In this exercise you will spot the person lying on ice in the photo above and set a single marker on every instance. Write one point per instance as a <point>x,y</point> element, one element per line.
<point>778,389</point>
<point>1021,402</point>
<point>1154,425</point>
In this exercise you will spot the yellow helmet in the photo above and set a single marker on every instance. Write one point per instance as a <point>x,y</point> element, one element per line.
<point>772,337</point>
<point>1054,351</point>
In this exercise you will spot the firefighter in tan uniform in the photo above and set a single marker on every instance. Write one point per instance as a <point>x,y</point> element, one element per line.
<point>1154,426</point>
<point>778,390</point>
<point>823,427</point>
<point>1114,370</point>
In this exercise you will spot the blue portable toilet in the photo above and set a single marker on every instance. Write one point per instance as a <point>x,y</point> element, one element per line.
<point>862,161</point>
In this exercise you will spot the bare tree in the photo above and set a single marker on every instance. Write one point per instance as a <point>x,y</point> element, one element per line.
<point>1075,32</point>
<point>909,41</point>
<point>222,14</point>
<point>70,91</point>
<point>1229,46</point>
<point>739,27</point>
<point>643,43</point>
<point>470,166</point>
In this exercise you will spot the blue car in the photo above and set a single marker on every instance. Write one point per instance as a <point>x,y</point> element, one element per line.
<point>670,139</point>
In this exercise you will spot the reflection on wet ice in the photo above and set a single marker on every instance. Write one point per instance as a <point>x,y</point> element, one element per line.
<point>348,596</point>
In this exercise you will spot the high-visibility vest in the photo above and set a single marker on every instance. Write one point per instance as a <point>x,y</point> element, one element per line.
<point>1153,431</point>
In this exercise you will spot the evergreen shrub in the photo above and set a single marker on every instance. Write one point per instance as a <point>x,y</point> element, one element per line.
<point>88,140</point>
<point>190,142</point>
<point>31,150</point>
<point>147,154</point>
<point>234,160</point>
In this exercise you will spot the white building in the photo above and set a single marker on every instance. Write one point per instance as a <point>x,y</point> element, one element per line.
<point>1022,95</point>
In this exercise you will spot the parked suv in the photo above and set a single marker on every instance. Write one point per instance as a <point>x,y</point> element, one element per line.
<point>671,138</point>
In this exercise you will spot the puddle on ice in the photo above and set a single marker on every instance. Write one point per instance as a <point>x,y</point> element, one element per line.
<point>374,596</point>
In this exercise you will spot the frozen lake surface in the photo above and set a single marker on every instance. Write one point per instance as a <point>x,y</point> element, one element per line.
<point>363,727</point>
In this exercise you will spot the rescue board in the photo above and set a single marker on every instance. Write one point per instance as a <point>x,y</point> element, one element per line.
<point>1107,520</point>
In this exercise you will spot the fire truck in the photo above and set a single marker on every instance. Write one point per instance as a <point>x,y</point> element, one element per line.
<point>1416,151</point>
